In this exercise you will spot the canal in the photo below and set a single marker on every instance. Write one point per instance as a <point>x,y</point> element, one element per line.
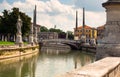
<point>48,63</point>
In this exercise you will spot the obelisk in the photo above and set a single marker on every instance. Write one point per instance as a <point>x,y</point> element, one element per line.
<point>76,20</point>
<point>111,42</point>
<point>76,37</point>
<point>19,33</point>
<point>35,28</point>
<point>83,36</point>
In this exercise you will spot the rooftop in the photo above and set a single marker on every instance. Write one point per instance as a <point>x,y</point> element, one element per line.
<point>101,27</point>
<point>86,27</point>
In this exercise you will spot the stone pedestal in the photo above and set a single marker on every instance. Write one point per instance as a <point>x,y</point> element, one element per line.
<point>31,39</point>
<point>35,35</point>
<point>35,40</point>
<point>19,40</point>
<point>111,42</point>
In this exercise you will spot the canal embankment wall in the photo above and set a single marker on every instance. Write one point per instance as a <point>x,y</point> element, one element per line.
<point>15,63</point>
<point>107,67</point>
<point>7,52</point>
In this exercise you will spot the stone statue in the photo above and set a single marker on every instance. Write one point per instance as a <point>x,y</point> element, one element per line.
<point>19,34</point>
<point>19,25</point>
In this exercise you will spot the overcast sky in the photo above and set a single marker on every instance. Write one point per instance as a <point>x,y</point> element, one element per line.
<point>60,12</point>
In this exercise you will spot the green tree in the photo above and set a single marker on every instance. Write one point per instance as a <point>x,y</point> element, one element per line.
<point>43,29</point>
<point>55,30</point>
<point>9,20</point>
<point>26,23</point>
<point>4,22</point>
<point>70,35</point>
<point>61,34</point>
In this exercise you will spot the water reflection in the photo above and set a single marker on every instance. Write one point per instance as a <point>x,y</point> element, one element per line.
<point>55,50</point>
<point>18,67</point>
<point>48,63</point>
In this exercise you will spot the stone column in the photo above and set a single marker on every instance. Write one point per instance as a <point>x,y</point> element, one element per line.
<point>5,38</point>
<point>19,34</point>
<point>111,41</point>
<point>66,35</point>
<point>2,37</point>
<point>31,35</point>
<point>35,35</point>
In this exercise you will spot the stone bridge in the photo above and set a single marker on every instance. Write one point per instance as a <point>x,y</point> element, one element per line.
<point>72,43</point>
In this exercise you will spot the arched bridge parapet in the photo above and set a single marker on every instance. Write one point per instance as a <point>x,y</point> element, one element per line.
<point>72,43</point>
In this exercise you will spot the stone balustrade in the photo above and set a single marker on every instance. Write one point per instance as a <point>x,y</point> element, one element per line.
<point>107,67</point>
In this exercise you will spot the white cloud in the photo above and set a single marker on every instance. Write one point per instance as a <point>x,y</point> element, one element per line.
<point>4,5</point>
<point>1,14</point>
<point>104,0</point>
<point>95,19</point>
<point>53,12</point>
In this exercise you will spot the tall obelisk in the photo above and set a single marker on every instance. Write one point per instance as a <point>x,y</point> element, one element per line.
<point>83,36</point>
<point>35,28</point>
<point>83,20</point>
<point>76,37</point>
<point>111,42</point>
<point>76,20</point>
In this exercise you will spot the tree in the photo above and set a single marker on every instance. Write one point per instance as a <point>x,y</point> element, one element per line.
<point>61,34</point>
<point>43,29</point>
<point>4,20</point>
<point>9,20</point>
<point>55,30</point>
<point>26,23</point>
<point>70,35</point>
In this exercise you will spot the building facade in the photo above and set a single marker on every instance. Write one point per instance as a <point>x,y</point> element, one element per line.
<point>48,35</point>
<point>89,32</point>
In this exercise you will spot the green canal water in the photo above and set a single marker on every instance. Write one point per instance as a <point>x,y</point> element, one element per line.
<point>48,63</point>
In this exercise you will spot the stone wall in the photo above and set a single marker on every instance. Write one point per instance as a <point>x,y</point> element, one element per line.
<point>107,67</point>
<point>6,53</point>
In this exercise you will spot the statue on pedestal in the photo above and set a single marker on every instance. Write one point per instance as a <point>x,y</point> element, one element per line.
<point>19,25</point>
<point>19,34</point>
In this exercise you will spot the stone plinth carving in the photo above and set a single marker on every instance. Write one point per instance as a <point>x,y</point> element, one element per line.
<point>31,35</point>
<point>19,34</point>
<point>111,42</point>
<point>35,35</point>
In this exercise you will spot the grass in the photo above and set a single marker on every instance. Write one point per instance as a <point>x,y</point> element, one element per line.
<point>9,43</point>
<point>6,43</point>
